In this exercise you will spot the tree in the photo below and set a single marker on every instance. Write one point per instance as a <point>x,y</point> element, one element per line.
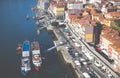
<point>116,25</point>
<point>55,23</point>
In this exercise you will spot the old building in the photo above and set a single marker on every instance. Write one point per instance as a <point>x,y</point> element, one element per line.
<point>58,9</point>
<point>84,28</point>
<point>110,40</point>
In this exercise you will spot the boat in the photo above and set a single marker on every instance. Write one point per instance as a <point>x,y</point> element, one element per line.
<point>38,31</point>
<point>37,23</point>
<point>19,48</point>
<point>36,55</point>
<point>27,17</point>
<point>33,18</point>
<point>25,59</point>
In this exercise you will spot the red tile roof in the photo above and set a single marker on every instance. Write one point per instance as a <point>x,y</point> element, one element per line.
<point>112,35</point>
<point>84,21</point>
<point>56,4</point>
<point>112,0</point>
<point>115,14</point>
<point>93,11</point>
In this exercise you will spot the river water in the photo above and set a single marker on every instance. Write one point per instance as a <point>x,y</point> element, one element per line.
<point>14,28</point>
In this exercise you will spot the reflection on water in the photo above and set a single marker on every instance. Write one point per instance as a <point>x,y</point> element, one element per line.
<point>14,28</point>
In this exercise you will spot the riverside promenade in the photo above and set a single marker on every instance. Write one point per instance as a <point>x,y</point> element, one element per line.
<point>62,49</point>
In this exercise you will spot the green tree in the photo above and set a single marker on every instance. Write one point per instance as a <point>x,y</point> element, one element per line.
<point>116,25</point>
<point>55,23</point>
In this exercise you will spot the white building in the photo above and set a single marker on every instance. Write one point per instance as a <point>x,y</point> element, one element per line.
<point>94,1</point>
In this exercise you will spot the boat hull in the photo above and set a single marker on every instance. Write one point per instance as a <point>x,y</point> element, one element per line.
<point>25,59</point>
<point>36,55</point>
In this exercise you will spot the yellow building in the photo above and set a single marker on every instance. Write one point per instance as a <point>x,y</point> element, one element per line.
<point>59,12</point>
<point>89,37</point>
<point>58,8</point>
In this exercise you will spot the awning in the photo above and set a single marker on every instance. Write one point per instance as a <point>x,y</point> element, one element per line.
<point>100,48</point>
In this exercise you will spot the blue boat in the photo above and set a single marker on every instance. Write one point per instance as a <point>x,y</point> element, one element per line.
<point>25,59</point>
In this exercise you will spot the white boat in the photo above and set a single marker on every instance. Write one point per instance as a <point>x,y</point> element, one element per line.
<point>36,55</point>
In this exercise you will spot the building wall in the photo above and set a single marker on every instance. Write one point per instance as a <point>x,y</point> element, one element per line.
<point>89,38</point>
<point>74,11</point>
<point>60,9</point>
<point>105,43</point>
<point>113,54</point>
<point>107,22</point>
<point>89,34</point>
<point>116,57</point>
<point>46,5</point>
<point>60,13</point>
<point>75,5</point>
<point>93,1</point>
<point>70,6</point>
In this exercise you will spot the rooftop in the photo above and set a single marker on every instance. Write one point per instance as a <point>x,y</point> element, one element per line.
<point>115,14</point>
<point>113,36</point>
<point>84,21</point>
<point>57,4</point>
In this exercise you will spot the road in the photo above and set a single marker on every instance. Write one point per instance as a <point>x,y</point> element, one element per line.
<point>79,50</point>
<point>96,54</point>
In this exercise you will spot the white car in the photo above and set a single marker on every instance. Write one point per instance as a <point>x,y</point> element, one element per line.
<point>76,54</point>
<point>86,75</point>
<point>73,40</point>
<point>77,63</point>
<point>77,44</point>
<point>82,60</point>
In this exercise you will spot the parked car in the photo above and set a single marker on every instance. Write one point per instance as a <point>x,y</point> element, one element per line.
<point>86,75</point>
<point>73,40</point>
<point>76,54</point>
<point>107,57</point>
<point>77,44</point>
<point>77,63</point>
<point>83,62</point>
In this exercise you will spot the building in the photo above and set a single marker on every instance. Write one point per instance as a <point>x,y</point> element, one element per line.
<point>110,40</point>
<point>111,17</point>
<point>58,9</point>
<point>94,1</point>
<point>83,29</point>
<point>43,4</point>
<point>106,9</point>
<point>115,2</point>
<point>75,5</point>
